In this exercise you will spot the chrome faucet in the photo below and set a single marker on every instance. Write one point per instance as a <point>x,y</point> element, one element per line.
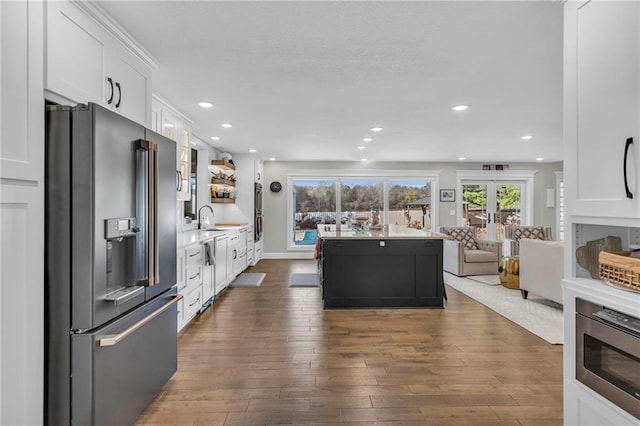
<point>200,209</point>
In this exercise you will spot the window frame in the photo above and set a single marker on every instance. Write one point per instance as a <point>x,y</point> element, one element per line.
<point>338,175</point>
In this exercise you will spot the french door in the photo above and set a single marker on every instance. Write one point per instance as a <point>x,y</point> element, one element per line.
<point>490,205</point>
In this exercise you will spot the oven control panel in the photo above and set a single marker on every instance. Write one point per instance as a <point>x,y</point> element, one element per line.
<point>622,320</point>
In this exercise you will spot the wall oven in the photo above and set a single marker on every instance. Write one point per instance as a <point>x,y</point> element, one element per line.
<point>608,354</point>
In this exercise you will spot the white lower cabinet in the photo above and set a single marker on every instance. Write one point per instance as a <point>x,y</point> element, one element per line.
<point>192,303</point>
<point>233,253</point>
<point>192,277</point>
<point>208,273</point>
<point>221,270</point>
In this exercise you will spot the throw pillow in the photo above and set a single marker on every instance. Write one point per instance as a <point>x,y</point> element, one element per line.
<point>531,233</point>
<point>465,236</point>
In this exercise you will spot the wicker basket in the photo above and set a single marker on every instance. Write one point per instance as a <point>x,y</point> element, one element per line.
<point>619,269</point>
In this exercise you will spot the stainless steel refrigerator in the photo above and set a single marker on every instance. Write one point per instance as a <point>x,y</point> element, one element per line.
<point>110,256</point>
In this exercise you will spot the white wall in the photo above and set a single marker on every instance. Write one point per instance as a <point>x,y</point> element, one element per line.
<point>275,205</point>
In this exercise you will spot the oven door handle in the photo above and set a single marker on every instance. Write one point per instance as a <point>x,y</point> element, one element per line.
<point>114,339</point>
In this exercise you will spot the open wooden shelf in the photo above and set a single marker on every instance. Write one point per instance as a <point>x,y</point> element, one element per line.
<point>223,182</point>
<point>223,164</point>
<point>223,200</point>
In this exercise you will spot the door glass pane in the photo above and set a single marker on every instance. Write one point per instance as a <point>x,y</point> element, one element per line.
<point>410,204</point>
<point>474,208</point>
<point>314,202</point>
<point>362,201</point>
<point>508,207</point>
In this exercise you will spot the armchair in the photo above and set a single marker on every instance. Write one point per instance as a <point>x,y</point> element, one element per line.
<point>542,268</point>
<point>513,234</point>
<point>465,255</point>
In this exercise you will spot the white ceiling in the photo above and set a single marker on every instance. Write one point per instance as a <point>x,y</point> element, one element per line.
<point>307,80</point>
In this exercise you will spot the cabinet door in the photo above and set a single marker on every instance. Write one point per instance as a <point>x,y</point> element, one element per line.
<point>174,129</point>
<point>76,53</point>
<point>22,302</point>
<point>221,264</point>
<point>21,103</point>
<point>184,166</point>
<point>181,272</point>
<point>208,272</point>
<point>132,80</point>
<point>602,93</point>
<point>258,171</point>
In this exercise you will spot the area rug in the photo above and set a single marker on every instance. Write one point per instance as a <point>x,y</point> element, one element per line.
<point>486,279</point>
<point>540,316</point>
<point>248,279</point>
<point>303,280</point>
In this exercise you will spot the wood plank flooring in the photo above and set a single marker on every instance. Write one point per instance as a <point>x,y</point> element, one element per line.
<point>271,355</point>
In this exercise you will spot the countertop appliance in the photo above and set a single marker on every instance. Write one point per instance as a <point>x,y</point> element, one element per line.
<point>110,256</point>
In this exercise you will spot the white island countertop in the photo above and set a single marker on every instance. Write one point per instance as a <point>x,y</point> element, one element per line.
<point>329,232</point>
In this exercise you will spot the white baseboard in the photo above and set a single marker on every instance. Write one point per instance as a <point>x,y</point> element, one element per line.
<point>289,255</point>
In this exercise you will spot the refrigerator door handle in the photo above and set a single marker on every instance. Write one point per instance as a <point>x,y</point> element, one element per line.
<point>153,261</point>
<point>114,339</point>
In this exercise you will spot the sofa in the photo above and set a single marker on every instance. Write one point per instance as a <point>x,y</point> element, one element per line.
<point>542,268</point>
<point>465,254</point>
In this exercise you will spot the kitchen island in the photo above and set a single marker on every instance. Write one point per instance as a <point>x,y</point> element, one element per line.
<point>390,268</point>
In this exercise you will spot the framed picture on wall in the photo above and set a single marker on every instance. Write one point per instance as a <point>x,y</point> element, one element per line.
<point>447,195</point>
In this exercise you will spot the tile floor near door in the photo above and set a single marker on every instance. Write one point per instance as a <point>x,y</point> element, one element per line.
<point>271,355</point>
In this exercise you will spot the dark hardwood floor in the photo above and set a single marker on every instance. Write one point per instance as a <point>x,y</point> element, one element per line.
<point>272,355</point>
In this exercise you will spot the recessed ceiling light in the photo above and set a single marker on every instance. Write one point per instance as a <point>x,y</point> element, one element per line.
<point>252,150</point>
<point>205,104</point>
<point>526,137</point>
<point>215,138</point>
<point>226,125</point>
<point>367,139</point>
<point>169,125</point>
<point>376,129</point>
<point>539,159</point>
<point>361,147</point>
<point>460,107</point>
<point>462,158</point>
<point>272,158</point>
<point>363,159</point>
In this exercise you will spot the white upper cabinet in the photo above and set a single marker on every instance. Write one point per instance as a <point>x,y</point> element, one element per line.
<point>602,109</point>
<point>258,171</point>
<point>175,126</point>
<point>132,81</point>
<point>21,103</point>
<point>85,63</point>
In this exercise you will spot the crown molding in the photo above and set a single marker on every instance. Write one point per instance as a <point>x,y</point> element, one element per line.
<point>102,18</point>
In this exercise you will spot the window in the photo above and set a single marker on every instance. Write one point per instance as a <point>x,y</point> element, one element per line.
<point>361,200</point>
<point>314,202</point>
<point>191,205</point>
<point>344,198</point>
<point>410,204</point>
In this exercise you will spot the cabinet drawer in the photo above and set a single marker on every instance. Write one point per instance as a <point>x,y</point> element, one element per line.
<point>194,276</point>
<point>192,303</point>
<point>194,254</point>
